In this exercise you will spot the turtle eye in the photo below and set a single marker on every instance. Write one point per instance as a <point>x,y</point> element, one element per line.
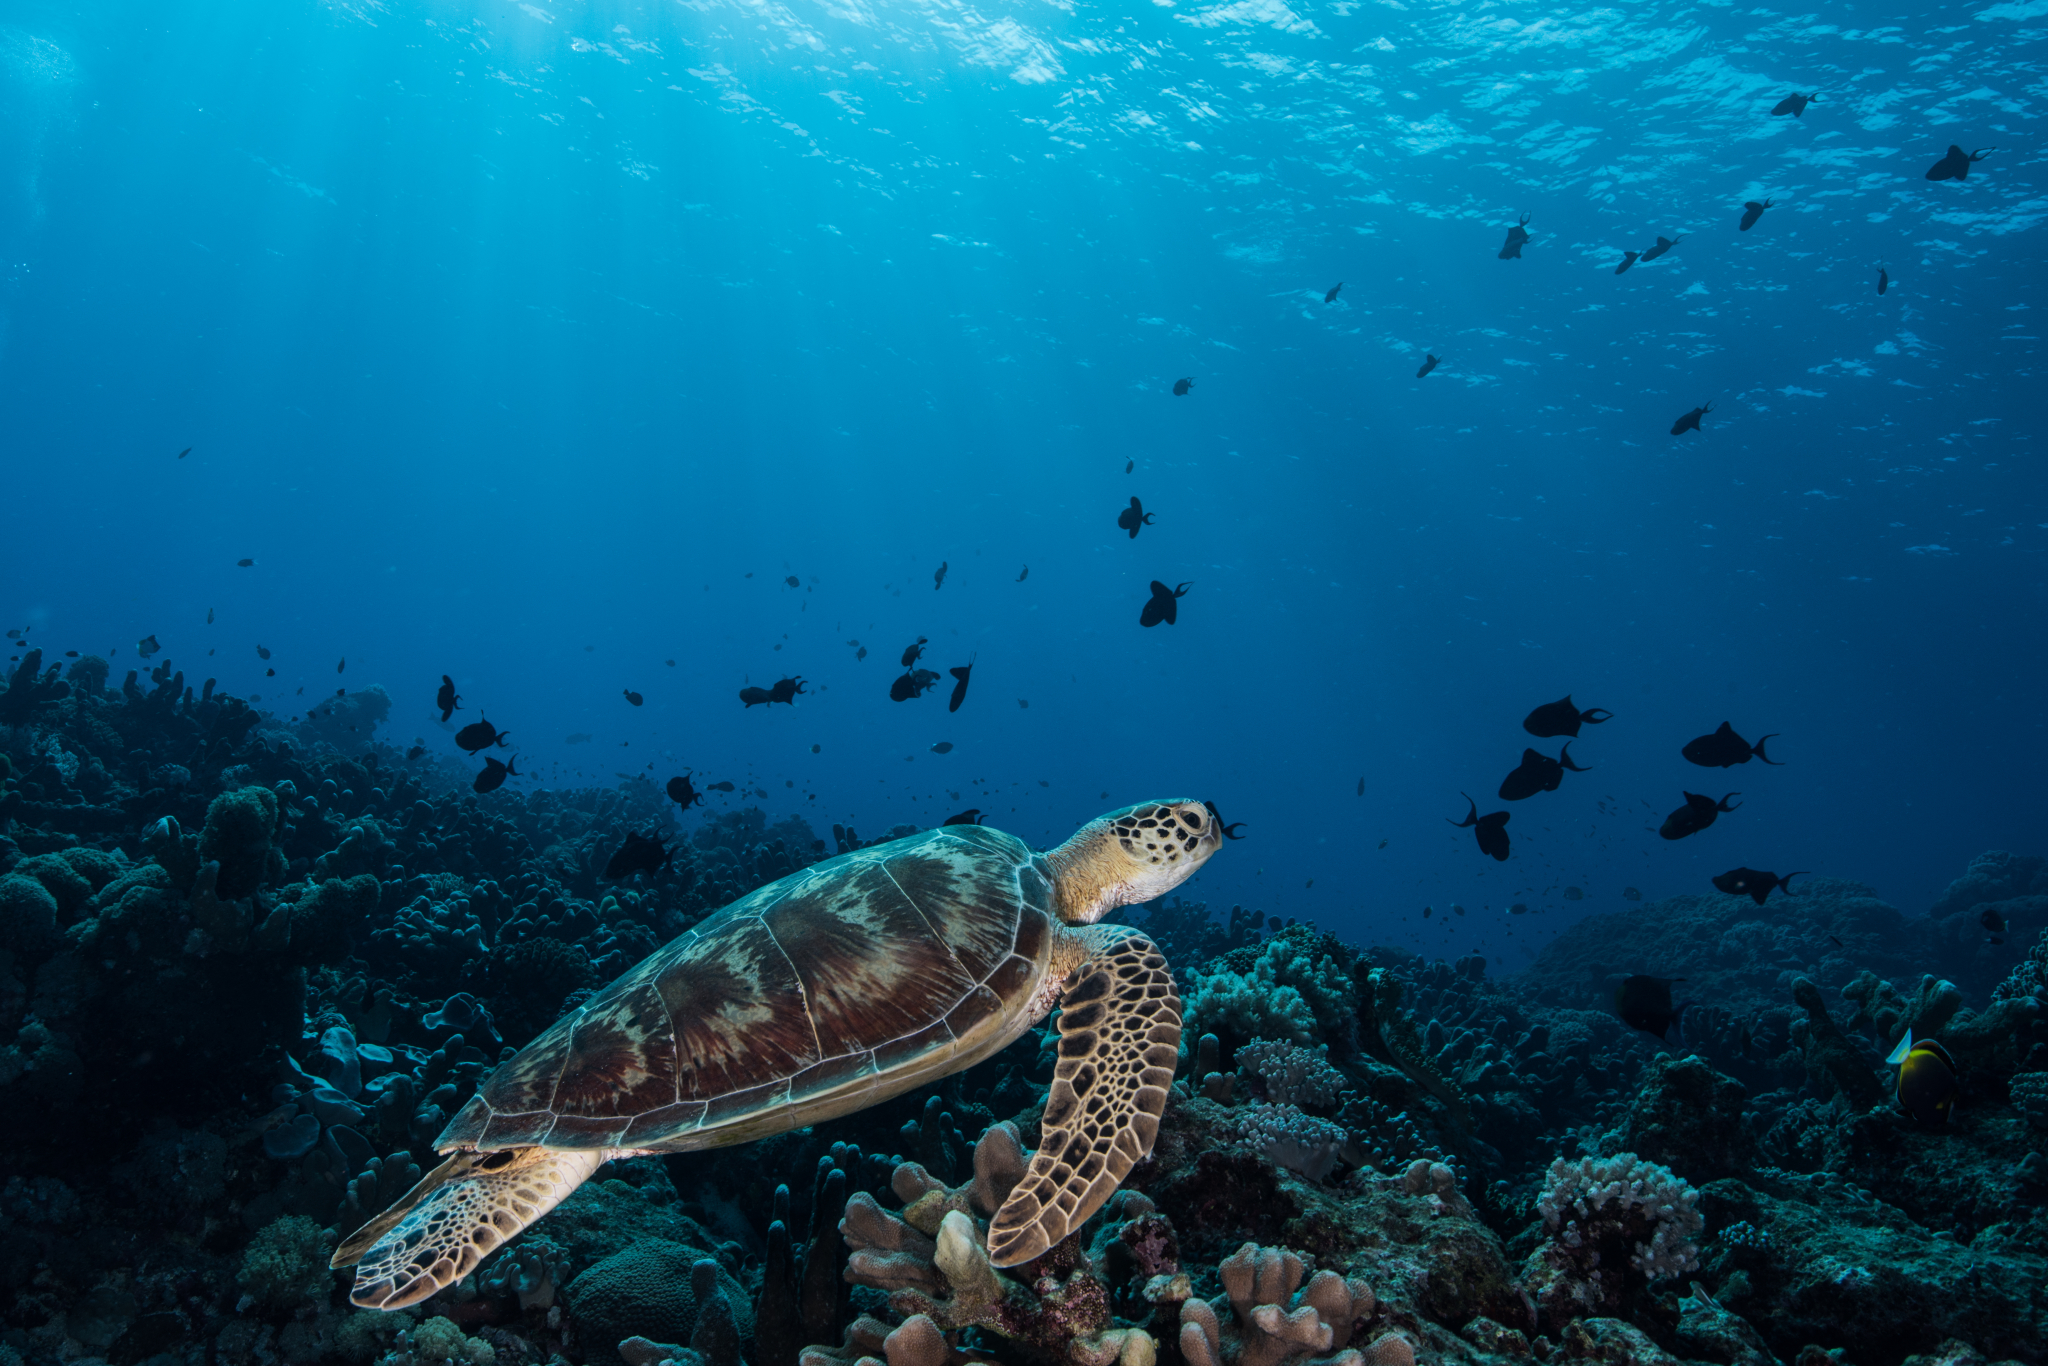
<point>1192,820</point>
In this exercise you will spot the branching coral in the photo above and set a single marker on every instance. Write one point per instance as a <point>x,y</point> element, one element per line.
<point>1288,992</point>
<point>1618,1225</point>
<point>1288,1074</point>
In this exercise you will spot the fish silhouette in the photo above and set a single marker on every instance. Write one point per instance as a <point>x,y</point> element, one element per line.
<point>1518,237</point>
<point>1752,210</point>
<point>1429,363</point>
<point>635,698</point>
<point>1795,105</point>
<point>1024,574</point>
<point>1696,815</point>
<point>494,775</point>
<point>971,816</point>
<point>1180,388</point>
<point>1956,165</point>
<point>1755,885</point>
<point>939,577</point>
<point>1691,421</point>
<point>1628,258</point>
<point>1331,297</point>
<point>960,688</point>
<point>1664,244</point>
<point>1490,830</point>
<point>444,698</point>
<point>912,683</point>
<point>912,652</point>
<point>1561,717</point>
<point>683,792</point>
<point>479,735</point>
<point>1134,517</point>
<point>1927,1079</point>
<point>1645,1003</point>
<point>639,854</point>
<point>1884,280</point>
<point>1725,749</point>
<point>1162,606</point>
<point>1538,773</point>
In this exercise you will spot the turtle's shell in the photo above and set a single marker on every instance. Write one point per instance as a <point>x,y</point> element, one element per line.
<point>826,992</point>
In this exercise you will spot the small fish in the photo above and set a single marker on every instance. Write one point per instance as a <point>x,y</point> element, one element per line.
<point>1229,831</point>
<point>1553,719</point>
<point>959,688</point>
<point>182,454</point>
<point>1130,465</point>
<point>1753,210</point>
<point>444,697</point>
<point>670,662</point>
<point>1519,908</point>
<point>817,749</point>
<point>1361,787</point>
<point>794,582</point>
<point>1023,704</point>
<point>1180,389</point>
<point>1992,921</point>
<point>1429,363</point>
<point>860,654</point>
<point>1795,105</point>
<point>719,787</point>
<point>639,854</point>
<point>971,816</point>
<point>1490,830</point>
<point>1691,421</point>
<point>341,665</point>
<point>939,576</point>
<point>479,735</point>
<point>1645,1003</point>
<point>243,564</point>
<point>1628,258</point>
<point>786,690</point>
<point>147,646</point>
<point>1836,942</point>
<point>1134,517</point>
<point>209,616</point>
<point>1518,237</point>
<point>494,774</point>
<point>1631,894</point>
<point>1755,885</point>
<point>581,737</point>
<point>1162,606</point>
<point>262,652</point>
<point>1538,773</point>
<point>1664,244</point>
<point>1725,749</point>
<point>682,793</point>
<point>635,698</point>
<point>912,653</point>
<point>415,752</point>
<point>943,747</point>
<point>1956,165</point>
<point>270,673</point>
<point>1331,297</point>
<point>1024,573</point>
<point>1926,1087</point>
<point>1884,280</point>
<point>912,683</point>
<point>1696,815</point>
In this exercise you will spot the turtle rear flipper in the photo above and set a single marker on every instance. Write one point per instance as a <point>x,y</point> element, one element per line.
<point>1119,1042</point>
<point>457,1215</point>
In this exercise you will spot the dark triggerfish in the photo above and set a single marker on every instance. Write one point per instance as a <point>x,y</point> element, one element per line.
<point>479,735</point>
<point>1696,815</point>
<point>1755,885</point>
<point>639,854</point>
<point>1725,749</point>
<point>1956,165</point>
<point>1752,210</point>
<point>494,775</point>
<point>1134,517</point>
<point>1645,1003</point>
<point>1691,421</point>
<point>1491,830</point>
<point>683,792</point>
<point>1538,773</point>
<point>1927,1079</point>
<point>1553,719</point>
<point>1795,105</point>
<point>1518,237</point>
<point>1163,605</point>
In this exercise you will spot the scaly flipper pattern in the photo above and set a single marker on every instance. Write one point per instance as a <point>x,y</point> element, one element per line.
<point>1119,1029</point>
<point>457,1215</point>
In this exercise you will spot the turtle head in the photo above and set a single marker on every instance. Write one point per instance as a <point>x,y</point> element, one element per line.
<point>1129,856</point>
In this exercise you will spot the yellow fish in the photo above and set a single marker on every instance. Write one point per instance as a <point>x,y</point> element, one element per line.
<point>1927,1079</point>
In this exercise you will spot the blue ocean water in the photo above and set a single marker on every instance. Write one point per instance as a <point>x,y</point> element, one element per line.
<point>540,345</point>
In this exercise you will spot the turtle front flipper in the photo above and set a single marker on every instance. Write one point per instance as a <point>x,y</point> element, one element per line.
<point>457,1215</point>
<point>1119,1041</point>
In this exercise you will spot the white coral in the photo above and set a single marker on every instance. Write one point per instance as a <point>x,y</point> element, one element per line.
<point>1610,1187</point>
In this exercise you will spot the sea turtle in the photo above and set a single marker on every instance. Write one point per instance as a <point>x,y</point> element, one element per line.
<point>840,986</point>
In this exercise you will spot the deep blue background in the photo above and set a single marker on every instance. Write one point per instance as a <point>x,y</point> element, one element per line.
<point>511,339</point>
